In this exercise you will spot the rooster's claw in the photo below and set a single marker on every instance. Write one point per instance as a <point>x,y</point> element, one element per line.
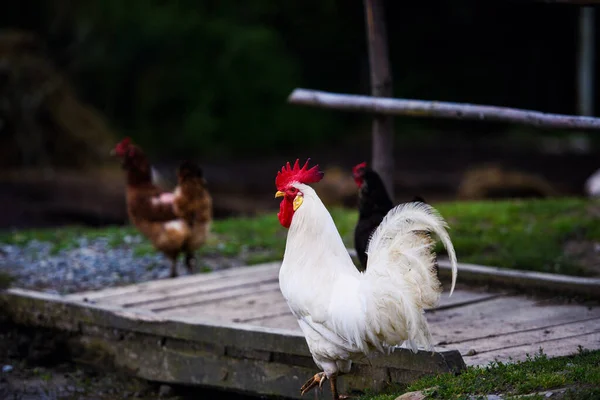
<point>318,379</point>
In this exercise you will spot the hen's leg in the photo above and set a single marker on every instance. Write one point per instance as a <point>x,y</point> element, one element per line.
<point>173,259</point>
<point>190,262</point>
<point>318,379</point>
<point>173,273</point>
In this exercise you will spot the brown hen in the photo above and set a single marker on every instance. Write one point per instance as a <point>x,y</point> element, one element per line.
<point>176,222</point>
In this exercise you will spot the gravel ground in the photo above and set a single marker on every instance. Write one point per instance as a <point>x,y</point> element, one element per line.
<point>92,264</point>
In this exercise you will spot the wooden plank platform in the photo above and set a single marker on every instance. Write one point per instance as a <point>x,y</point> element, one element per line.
<point>232,329</point>
<point>471,321</point>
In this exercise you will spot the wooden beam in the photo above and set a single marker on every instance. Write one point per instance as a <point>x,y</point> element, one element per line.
<point>381,86</point>
<point>530,282</point>
<point>439,109</point>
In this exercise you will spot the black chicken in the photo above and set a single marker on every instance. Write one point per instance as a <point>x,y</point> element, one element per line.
<point>373,204</point>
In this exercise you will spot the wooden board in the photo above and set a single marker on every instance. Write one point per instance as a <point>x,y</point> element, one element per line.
<point>186,329</point>
<point>556,347</point>
<point>471,320</point>
<point>188,351</point>
<point>174,285</point>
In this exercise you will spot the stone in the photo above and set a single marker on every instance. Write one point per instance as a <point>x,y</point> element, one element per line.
<point>420,395</point>
<point>165,391</point>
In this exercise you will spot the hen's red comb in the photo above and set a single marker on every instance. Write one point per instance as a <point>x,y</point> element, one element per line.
<point>123,146</point>
<point>359,166</point>
<point>290,174</point>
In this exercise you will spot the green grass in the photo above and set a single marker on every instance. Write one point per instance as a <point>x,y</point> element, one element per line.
<point>513,234</point>
<point>519,234</point>
<point>260,238</point>
<point>523,234</point>
<point>580,372</point>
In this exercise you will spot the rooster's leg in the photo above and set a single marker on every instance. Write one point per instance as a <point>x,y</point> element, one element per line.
<point>333,384</point>
<point>334,392</point>
<point>190,262</point>
<point>318,379</point>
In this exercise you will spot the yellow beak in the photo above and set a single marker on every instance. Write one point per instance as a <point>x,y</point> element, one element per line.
<point>279,194</point>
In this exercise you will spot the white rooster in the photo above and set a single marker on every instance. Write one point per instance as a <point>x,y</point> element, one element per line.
<point>343,313</point>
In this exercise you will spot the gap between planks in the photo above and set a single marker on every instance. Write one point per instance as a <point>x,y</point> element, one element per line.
<point>222,286</point>
<point>213,297</point>
<point>530,336</point>
<point>174,283</point>
<point>562,346</point>
<point>508,328</point>
<point>260,306</point>
<point>592,320</point>
<point>458,299</point>
<point>271,293</point>
<point>588,329</point>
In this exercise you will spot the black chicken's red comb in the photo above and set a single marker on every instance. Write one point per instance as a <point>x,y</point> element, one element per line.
<point>290,174</point>
<point>358,167</point>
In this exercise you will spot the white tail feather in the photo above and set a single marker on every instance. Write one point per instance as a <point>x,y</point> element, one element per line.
<point>405,219</point>
<point>401,272</point>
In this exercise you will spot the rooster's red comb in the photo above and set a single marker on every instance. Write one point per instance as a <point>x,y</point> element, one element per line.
<point>290,174</point>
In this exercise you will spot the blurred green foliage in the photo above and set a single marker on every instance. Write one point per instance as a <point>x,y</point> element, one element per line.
<point>212,77</point>
<point>193,75</point>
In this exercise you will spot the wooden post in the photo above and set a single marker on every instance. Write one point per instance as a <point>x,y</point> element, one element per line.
<point>585,67</point>
<point>381,86</point>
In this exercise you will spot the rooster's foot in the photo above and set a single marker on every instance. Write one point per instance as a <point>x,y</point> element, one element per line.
<point>318,379</point>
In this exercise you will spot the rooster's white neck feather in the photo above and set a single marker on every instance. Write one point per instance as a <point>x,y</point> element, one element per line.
<point>313,237</point>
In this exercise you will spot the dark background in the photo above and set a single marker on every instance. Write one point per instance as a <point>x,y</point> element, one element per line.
<point>209,81</point>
